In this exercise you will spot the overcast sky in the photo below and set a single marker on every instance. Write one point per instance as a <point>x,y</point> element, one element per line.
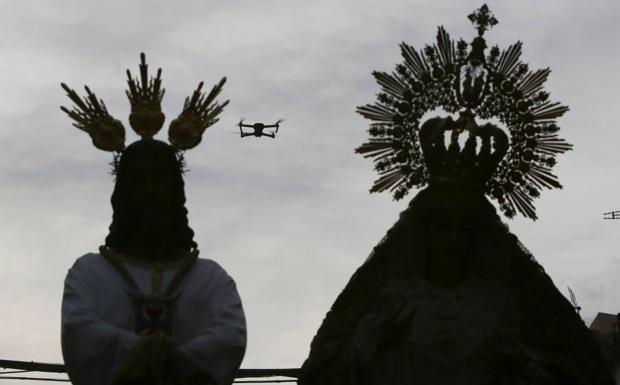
<point>290,219</point>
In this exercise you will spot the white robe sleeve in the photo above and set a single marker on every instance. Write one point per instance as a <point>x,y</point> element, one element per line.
<point>219,349</point>
<point>92,348</point>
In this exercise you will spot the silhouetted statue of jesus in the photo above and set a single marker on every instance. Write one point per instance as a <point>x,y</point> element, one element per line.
<point>145,309</point>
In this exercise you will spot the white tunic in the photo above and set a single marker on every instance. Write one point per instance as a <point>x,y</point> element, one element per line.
<point>98,317</point>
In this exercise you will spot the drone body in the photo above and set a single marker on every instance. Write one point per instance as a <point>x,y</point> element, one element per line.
<point>259,129</point>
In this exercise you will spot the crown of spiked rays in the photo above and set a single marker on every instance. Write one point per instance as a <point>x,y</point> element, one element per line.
<point>511,165</point>
<point>145,94</point>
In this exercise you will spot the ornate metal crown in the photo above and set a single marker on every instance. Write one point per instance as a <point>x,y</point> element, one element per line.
<point>463,79</point>
<point>145,95</point>
<point>473,165</point>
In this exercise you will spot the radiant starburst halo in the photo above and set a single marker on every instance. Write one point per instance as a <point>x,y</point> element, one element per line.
<point>145,95</point>
<point>465,80</point>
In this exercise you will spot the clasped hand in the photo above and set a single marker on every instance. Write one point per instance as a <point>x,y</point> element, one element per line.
<point>149,361</point>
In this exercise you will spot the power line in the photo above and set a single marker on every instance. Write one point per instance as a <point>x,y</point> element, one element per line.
<point>33,378</point>
<point>66,380</point>
<point>31,366</point>
<point>261,381</point>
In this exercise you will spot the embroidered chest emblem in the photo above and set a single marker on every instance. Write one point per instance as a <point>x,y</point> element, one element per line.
<point>153,314</point>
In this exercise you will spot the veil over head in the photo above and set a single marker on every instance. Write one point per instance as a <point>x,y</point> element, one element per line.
<point>543,328</point>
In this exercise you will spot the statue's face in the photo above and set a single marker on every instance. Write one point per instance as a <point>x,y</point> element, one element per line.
<point>151,187</point>
<point>450,235</point>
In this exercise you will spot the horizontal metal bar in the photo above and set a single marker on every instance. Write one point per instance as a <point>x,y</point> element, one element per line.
<point>60,368</point>
<point>66,380</point>
<point>33,378</point>
<point>32,366</point>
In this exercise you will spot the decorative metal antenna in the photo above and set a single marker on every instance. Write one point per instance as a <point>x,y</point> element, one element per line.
<point>573,300</point>
<point>612,215</point>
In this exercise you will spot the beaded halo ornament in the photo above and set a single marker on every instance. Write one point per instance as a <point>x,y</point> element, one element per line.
<point>461,78</point>
<point>200,111</point>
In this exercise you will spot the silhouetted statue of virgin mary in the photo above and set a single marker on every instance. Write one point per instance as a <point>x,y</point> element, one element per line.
<point>450,296</point>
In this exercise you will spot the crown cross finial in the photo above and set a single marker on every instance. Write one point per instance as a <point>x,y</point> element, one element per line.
<point>483,19</point>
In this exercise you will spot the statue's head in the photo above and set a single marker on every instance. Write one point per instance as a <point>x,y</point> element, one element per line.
<point>452,219</point>
<point>149,202</point>
<point>446,225</point>
<point>149,175</point>
<point>461,231</point>
<point>148,199</point>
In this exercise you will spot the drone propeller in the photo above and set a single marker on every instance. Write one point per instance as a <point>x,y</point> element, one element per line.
<point>278,124</point>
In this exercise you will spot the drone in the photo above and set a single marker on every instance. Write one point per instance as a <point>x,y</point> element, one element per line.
<point>258,129</point>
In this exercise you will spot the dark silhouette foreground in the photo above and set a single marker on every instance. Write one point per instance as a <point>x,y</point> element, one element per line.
<point>450,296</point>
